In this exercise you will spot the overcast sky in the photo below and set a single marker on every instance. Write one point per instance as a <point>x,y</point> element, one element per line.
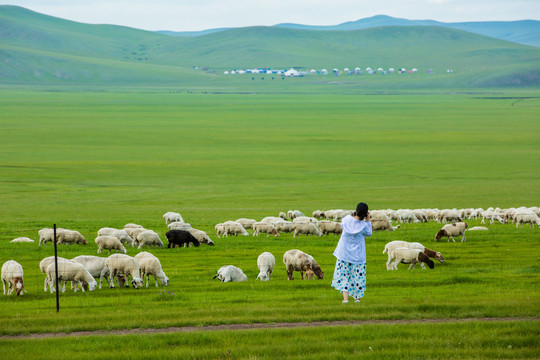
<point>193,15</point>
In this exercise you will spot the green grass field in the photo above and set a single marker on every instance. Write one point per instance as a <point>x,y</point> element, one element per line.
<point>85,158</point>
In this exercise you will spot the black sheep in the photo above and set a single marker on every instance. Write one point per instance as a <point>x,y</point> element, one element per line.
<point>180,237</point>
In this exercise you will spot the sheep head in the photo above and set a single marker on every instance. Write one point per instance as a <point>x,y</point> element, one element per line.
<point>318,271</point>
<point>440,234</point>
<point>422,257</point>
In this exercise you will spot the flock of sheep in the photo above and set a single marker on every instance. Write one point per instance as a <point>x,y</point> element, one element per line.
<point>82,271</point>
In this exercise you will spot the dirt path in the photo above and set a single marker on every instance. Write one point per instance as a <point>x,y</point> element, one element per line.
<point>228,327</point>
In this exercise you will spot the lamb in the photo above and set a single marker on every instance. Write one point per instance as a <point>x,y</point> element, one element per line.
<point>95,266</point>
<point>180,238</point>
<point>13,277</point>
<point>478,228</point>
<point>150,265</point>
<point>70,237</point>
<point>109,243</point>
<point>306,228</point>
<point>262,227</point>
<point>296,260</point>
<point>121,235</point>
<point>172,217</point>
<point>120,264</point>
<point>149,238</point>
<point>265,263</point>
<point>201,236</point>
<point>179,225</point>
<point>451,230</point>
<point>230,273</point>
<point>415,245</point>
<point>246,223</point>
<point>410,256</point>
<point>22,240</point>
<point>70,271</point>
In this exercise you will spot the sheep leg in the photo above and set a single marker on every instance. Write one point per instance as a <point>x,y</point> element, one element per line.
<point>155,279</point>
<point>463,238</point>
<point>395,264</point>
<point>45,285</point>
<point>4,285</point>
<point>452,239</point>
<point>412,265</point>
<point>290,272</point>
<point>388,262</point>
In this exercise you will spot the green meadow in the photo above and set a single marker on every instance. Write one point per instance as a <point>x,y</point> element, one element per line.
<point>86,157</point>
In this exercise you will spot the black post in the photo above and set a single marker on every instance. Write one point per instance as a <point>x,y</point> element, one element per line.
<point>56,271</point>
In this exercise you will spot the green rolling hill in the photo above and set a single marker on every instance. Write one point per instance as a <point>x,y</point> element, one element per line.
<point>36,48</point>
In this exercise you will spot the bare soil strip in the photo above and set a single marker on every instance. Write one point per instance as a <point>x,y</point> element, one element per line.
<point>229,327</point>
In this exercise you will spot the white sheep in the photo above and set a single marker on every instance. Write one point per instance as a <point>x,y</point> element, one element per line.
<point>414,245</point>
<point>47,234</point>
<point>265,263</point>
<point>201,236</point>
<point>70,237</point>
<point>120,234</point>
<point>451,230</point>
<point>300,219</point>
<point>70,271</point>
<point>43,267</point>
<point>96,267</point>
<point>178,225</point>
<point>270,219</point>
<point>230,273</point>
<point>120,264</point>
<point>410,256</point>
<point>523,217</point>
<point>297,260</point>
<point>449,215</point>
<point>284,226</point>
<point>406,216</point>
<point>262,227</point>
<point>233,228</point>
<point>132,226</point>
<point>478,228</point>
<point>307,228</point>
<point>282,215</point>
<point>22,240</point>
<point>327,227</point>
<point>149,238</point>
<point>150,265</point>
<point>340,214</point>
<point>492,216</point>
<point>318,214</point>
<point>293,214</point>
<point>13,277</point>
<point>172,217</point>
<point>109,243</point>
<point>246,223</point>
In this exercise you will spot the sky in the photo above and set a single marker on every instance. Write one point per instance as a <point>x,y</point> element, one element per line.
<point>195,15</point>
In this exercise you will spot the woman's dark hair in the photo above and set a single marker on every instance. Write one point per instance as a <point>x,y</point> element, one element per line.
<point>362,210</point>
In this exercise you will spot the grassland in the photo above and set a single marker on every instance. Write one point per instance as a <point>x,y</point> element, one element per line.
<point>84,158</point>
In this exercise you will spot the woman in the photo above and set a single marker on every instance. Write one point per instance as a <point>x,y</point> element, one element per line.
<point>350,271</point>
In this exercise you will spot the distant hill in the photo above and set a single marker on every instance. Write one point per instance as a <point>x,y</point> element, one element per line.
<point>525,32</point>
<point>36,48</point>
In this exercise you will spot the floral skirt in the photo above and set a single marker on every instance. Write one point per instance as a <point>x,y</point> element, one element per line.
<point>350,277</point>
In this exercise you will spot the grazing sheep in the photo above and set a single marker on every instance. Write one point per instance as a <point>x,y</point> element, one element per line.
<point>293,214</point>
<point>149,238</point>
<point>109,243</point>
<point>265,263</point>
<point>410,256</point>
<point>420,215</point>
<point>246,223</point>
<point>43,267</point>
<point>201,236</point>
<point>406,216</point>
<point>262,227</point>
<point>383,225</point>
<point>70,271</point>
<point>451,230</point>
<point>47,234</point>
<point>120,264</point>
<point>120,234</point>
<point>180,238</point>
<point>70,237</point>
<point>301,219</point>
<point>133,232</point>
<point>318,214</point>
<point>491,215</point>
<point>283,215</point>
<point>340,214</point>
<point>527,218</point>
<point>13,277</point>
<point>179,225</point>
<point>22,240</point>
<point>449,215</point>
<point>415,245</point>
<point>230,273</point>
<point>327,227</point>
<point>307,228</point>
<point>233,228</point>
<point>133,226</point>
<point>284,226</point>
<point>296,260</point>
<point>270,219</point>
<point>150,265</point>
<point>172,217</point>
<point>95,266</point>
